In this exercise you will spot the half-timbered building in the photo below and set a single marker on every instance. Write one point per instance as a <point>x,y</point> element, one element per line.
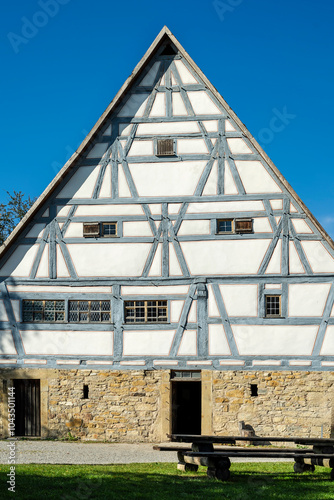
<point>168,279</point>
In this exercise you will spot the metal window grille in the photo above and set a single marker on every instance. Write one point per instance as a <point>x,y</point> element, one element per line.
<point>89,311</point>
<point>244,226</point>
<point>49,311</point>
<point>273,305</point>
<point>224,226</point>
<point>185,374</point>
<point>91,230</point>
<point>165,147</point>
<point>146,311</point>
<point>109,229</point>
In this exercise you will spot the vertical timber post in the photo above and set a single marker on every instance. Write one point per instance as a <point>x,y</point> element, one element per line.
<point>202,320</point>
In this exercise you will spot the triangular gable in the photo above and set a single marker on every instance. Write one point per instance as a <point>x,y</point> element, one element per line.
<point>182,72</point>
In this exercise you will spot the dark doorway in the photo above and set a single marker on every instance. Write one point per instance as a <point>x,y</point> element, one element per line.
<point>27,408</point>
<point>186,407</point>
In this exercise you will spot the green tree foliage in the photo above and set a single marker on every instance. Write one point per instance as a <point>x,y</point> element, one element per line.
<point>12,212</point>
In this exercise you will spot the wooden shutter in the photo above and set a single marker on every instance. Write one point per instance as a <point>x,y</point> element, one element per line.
<point>91,230</point>
<point>165,147</point>
<point>243,226</point>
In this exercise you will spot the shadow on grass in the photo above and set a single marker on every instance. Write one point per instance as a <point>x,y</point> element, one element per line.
<point>163,482</point>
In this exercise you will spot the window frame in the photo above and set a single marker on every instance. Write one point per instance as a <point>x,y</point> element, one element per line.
<point>43,311</point>
<point>272,316</point>
<point>234,225</point>
<point>88,312</point>
<point>146,306</point>
<point>108,235</point>
<point>100,233</point>
<point>225,232</point>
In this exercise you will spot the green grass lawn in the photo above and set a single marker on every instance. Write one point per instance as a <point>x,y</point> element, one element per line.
<point>251,481</point>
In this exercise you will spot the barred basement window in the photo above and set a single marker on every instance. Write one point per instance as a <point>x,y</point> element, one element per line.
<point>89,311</point>
<point>273,306</point>
<point>109,229</point>
<point>91,230</point>
<point>48,311</point>
<point>165,147</point>
<point>243,226</point>
<point>146,311</point>
<point>224,226</point>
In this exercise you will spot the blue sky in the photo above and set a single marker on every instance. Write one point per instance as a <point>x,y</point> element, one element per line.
<point>64,60</point>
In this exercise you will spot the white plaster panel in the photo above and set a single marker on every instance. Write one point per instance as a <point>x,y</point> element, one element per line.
<point>149,78</point>
<point>179,108</point>
<point>108,130</point>
<point>240,300</point>
<point>174,265</point>
<point>261,225</point>
<point>159,105</point>
<point>69,342</point>
<point>139,228</point>
<point>218,344</point>
<point>3,314</point>
<point>43,268</point>
<point>194,227</point>
<point>105,191</point>
<point>147,342</point>
<point>125,128</point>
<point>156,267</point>
<point>135,105</point>
<point>168,128</point>
<point>191,146</point>
<point>141,148</point>
<point>176,307</point>
<point>186,76</point>
<point>211,125</point>
<point>224,257</point>
<point>155,208</point>
<point>202,104</point>
<point>319,258</point>
<point>62,270</point>
<point>210,188</point>
<point>213,310</point>
<point>308,300</point>
<point>20,262</point>
<point>172,77</point>
<point>276,204</point>
<point>163,80</point>
<point>58,289</point>
<point>174,208</point>
<point>267,362</point>
<point>74,230</point>
<point>229,184</point>
<point>167,178</point>
<point>293,208</point>
<point>188,345</point>
<point>98,150</point>
<point>273,286</point>
<point>114,259</point>
<point>275,263</point>
<point>81,184</point>
<point>123,186</point>
<point>7,342</point>
<point>153,290</point>
<point>36,231</point>
<point>225,207</point>
<point>229,127</point>
<point>255,178</point>
<point>120,209</point>
<point>63,210</point>
<point>46,213</point>
<point>332,313</point>
<point>327,348</point>
<point>301,226</point>
<point>275,340</point>
<point>238,146</point>
<point>16,309</point>
<point>295,264</point>
<point>278,220</point>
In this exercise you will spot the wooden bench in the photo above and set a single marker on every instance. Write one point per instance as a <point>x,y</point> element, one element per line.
<point>217,459</point>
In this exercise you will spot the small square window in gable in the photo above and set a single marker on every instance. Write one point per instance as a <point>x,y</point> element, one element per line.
<point>244,226</point>
<point>224,226</point>
<point>165,147</point>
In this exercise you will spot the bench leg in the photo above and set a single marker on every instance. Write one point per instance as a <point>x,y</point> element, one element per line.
<point>301,467</point>
<point>187,467</point>
<point>219,470</point>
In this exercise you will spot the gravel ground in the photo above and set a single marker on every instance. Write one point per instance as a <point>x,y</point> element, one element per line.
<point>57,452</point>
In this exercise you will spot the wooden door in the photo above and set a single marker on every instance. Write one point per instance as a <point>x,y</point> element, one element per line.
<point>27,407</point>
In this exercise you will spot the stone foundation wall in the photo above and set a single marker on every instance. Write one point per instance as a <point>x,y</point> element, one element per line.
<point>121,405</point>
<point>289,403</point>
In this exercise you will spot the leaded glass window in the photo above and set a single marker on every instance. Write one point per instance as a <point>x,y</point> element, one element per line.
<point>48,311</point>
<point>273,306</point>
<point>89,311</point>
